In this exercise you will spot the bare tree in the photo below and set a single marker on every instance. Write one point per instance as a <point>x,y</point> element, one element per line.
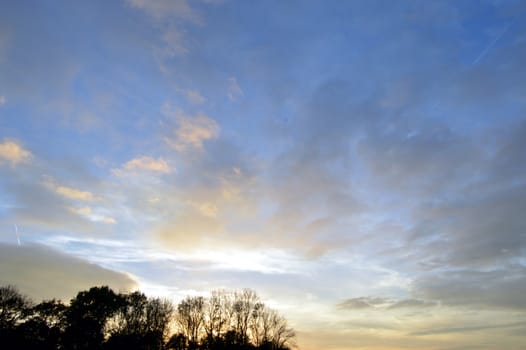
<point>282,336</point>
<point>190,317</point>
<point>217,313</point>
<point>243,306</point>
<point>159,312</point>
<point>258,327</point>
<point>139,323</point>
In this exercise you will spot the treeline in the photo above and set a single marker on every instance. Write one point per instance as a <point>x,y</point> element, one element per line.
<point>101,319</point>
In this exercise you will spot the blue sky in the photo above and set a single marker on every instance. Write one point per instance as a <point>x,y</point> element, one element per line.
<point>359,164</point>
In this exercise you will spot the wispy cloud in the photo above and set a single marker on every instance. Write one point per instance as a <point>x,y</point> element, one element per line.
<point>170,17</point>
<point>173,45</point>
<point>191,132</point>
<point>68,192</point>
<point>3,100</point>
<point>412,303</point>
<point>469,328</point>
<point>502,288</point>
<point>161,9</point>
<point>192,96</point>
<point>234,90</point>
<point>207,209</point>
<point>91,215</point>
<point>81,211</point>
<point>145,163</point>
<point>362,303</point>
<point>372,303</point>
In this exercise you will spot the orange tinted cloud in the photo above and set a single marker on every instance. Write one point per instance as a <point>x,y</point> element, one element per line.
<point>12,152</point>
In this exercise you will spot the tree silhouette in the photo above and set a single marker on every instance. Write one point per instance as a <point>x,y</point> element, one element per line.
<point>177,342</point>
<point>87,316</point>
<point>14,307</point>
<point>244,304</point>
<point>190,318</point>
<point>100,319</point>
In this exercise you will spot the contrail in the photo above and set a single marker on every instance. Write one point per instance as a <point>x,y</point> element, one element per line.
<point>485,51</point>
<point>17,236</point>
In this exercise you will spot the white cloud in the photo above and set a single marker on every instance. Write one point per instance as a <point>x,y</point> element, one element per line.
<point>3,100</point>
<point>88,213</point>
<point>191,131</point>
<point>12,152</point>
<point>234,90</point>
<point>84,211</point>
<point>103,219</point>
<point>146,163</point>
<point>68,192</point>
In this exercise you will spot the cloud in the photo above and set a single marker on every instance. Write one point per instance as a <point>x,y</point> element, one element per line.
<point>161,9</point>
<point>170,19</point>
<point>319,201</point>
<point>207,209</point>
<point>402,166</point>
<point>412,303</point>
<point>105,219</point>
<point>234,90</point>
<point>3,100</point>
<point>191,132</point>
<point>206,214</point>
<point>473,220</point>
<point>88,213</point>
<point>81,211</point>
<point>191,229</point>
<point>418,158</point>
<point>100,218</point>
<point>12,152</point>
<point>208,203</point>
<point>172,45</point>
<point>192,96</point>
<point>170,16</point>
<point>499,288</point>
<point>464,329</point>
<point>361,303</point>
<point>36,207</point>
<point>44,273</point>
<point>41,202</point>
<point>68,192</point>
<point>146,163</point>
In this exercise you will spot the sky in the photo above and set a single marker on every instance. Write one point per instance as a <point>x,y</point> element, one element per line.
<point>360,164</point>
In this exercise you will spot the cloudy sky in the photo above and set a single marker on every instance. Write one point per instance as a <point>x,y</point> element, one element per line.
<point>360,164</point>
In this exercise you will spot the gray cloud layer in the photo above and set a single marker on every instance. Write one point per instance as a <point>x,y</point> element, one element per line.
<point>44,273</point>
